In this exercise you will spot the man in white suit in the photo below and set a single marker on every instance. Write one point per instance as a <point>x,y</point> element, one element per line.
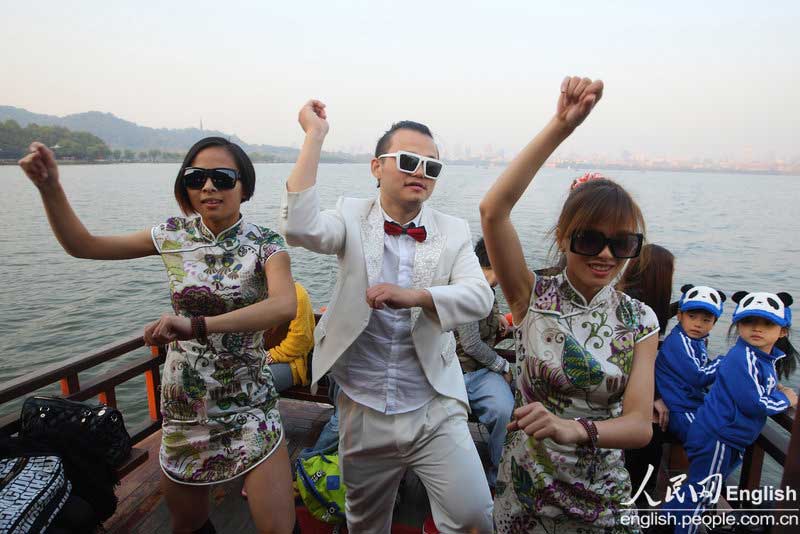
<point>407,278</point>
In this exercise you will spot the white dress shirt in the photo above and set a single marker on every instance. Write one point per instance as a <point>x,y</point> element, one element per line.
<point>381,369</point>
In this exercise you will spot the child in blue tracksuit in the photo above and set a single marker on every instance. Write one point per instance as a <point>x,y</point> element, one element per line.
<point>683,369</point>
<point>745,393</point>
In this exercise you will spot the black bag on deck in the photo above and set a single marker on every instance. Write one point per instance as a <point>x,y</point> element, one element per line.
<point>103,424</point>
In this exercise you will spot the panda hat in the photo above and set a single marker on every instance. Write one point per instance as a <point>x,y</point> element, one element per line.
<point>770,306</point>
<point>701,298</point>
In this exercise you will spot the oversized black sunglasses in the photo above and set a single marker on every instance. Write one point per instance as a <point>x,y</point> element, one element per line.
<point>222,178</point>
<point>592,242</point>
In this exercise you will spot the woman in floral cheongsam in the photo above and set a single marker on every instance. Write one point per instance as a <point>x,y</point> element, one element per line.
<point>218,400</point>
<point>585,352</point>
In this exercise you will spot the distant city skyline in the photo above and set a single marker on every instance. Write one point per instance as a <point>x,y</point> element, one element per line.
<point>683,81</point>
<point>745,162</point>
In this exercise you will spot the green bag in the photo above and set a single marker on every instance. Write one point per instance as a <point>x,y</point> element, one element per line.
<point>319,482</point>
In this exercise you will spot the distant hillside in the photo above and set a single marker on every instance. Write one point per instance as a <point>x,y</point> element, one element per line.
<point>125,135</point>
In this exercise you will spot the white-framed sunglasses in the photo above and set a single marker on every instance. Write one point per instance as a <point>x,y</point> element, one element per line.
<point>409,162</point>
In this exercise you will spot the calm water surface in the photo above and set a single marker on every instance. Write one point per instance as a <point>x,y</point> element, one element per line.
<point>729,231</point>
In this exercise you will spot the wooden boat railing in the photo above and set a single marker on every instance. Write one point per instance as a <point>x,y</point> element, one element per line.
<point>771,441</point>
<point>103,386</point>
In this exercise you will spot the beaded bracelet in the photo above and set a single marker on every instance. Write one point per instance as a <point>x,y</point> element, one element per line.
<point>199,329</point>
<point>591,430</point>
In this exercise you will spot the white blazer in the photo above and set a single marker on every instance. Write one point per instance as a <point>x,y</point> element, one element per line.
<point>444,264</point>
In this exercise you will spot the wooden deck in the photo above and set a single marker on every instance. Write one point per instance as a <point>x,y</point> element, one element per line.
<point>142,509</point>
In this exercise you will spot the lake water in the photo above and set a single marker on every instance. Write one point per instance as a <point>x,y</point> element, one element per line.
<point>733,232</point>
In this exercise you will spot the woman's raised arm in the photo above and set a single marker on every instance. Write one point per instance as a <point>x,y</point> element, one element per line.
<point>578,97</point>
<point>313,120</point>
<point>40,166</point>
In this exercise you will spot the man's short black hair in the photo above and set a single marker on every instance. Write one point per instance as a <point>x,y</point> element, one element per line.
<point>386,138</point>
<point>483,257</point>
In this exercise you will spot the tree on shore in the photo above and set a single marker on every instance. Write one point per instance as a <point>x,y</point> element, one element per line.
<point>14,141</point>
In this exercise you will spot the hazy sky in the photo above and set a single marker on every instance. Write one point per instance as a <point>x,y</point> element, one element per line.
<point>711,79</point>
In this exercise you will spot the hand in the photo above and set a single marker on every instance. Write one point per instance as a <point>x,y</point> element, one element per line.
<point>790,394</point>
<point>536,421</point>
<point>393,296</point>
<point>616,383</point>
<point>313,118</point>
<point>269,359</point>
<point>578,97</point>
<point>40,165</point>
<point>168,329</point>
<point>661,412</point>
<point>507,377</point>
<point>505,328</point>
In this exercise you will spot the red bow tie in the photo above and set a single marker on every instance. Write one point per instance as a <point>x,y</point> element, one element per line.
<point>417,233</point>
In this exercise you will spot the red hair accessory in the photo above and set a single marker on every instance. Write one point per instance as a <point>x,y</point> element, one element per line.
<point>586,178</point>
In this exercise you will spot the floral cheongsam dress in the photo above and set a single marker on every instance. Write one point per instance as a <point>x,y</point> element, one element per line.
<point>575,358</point>
<point>218,401</point>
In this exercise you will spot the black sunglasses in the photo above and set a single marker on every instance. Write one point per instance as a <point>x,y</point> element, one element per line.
<point>222,178</point>
<point>592,242</point>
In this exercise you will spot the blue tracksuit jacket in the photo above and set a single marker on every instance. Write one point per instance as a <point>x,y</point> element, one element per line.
<point>684,371</point>
<point>743,396</point>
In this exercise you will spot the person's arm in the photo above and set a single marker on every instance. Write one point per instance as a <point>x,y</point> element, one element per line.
<point>752,398</point>
<point>299,339</point>
<point>503,328</point>
<point>680,354</point>
<point>40,166</point>
<point>469,335</point>
<point>708,373</point>
<point>632,430</point>
<point>301,221</point>
<point>578,97</point>
<point>790,394</point>
<point>313,119</point>
<point>278,308</point>
<point>466,298</point>
<point>661,414</point>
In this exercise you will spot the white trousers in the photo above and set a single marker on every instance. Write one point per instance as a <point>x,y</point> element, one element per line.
<point>375,450</point>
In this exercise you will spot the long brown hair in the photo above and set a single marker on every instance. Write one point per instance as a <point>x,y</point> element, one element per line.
<point>651,282</point>
<point>595,202</point>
